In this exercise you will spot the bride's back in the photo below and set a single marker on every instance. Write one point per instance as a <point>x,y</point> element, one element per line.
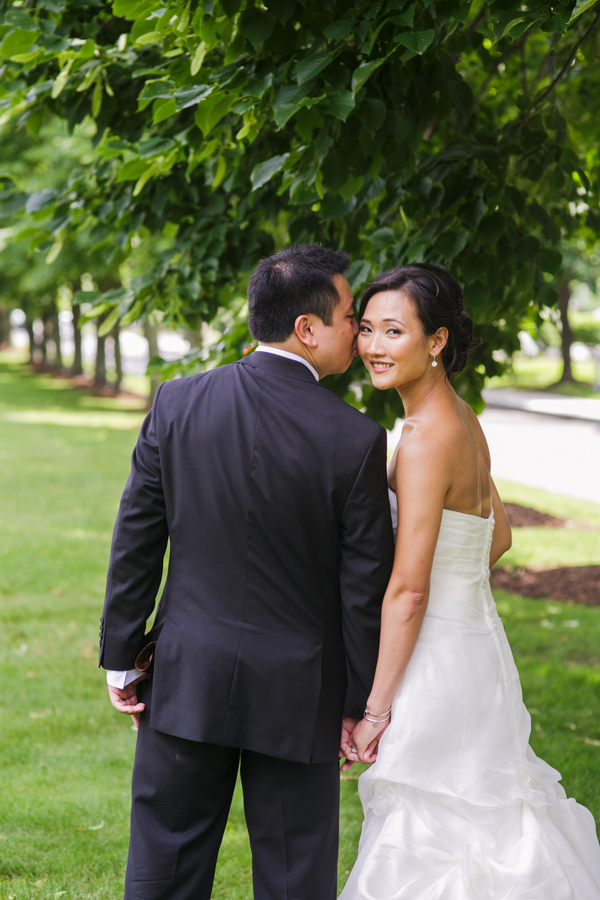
<point>471,489</point>
<point>447,431</point>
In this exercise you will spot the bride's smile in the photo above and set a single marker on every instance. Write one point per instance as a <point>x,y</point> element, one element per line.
<point>393,344</point>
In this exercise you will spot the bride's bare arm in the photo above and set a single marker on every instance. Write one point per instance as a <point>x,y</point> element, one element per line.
<point>422,479</point>
<point>502,540</point>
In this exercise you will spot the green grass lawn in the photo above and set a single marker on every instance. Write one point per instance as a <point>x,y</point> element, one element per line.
<point>66,756</point>
<point>537,373</point>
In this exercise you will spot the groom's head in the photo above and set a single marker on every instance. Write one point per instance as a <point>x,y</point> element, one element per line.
<point>299,300</point>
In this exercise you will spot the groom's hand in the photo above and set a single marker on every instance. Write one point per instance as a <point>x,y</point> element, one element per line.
<point>348,726</point>
<point>365,740</point>
<point>125,700</point>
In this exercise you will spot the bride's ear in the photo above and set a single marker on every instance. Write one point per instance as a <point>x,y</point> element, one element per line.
<point>439,341</point>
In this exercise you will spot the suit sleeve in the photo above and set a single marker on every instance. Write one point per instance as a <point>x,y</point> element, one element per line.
<point>365,568</point>
<point>137,554</point>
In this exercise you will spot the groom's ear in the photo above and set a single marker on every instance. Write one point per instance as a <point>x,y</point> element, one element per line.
<point>304,327</point>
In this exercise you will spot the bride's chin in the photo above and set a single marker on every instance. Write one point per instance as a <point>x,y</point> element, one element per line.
<point>381,382</point>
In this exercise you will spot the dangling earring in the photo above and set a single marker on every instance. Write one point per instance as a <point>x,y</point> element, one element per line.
<point>434,363</point>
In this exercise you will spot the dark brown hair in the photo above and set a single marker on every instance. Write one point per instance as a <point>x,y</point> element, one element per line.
<point>296,281</point>
<point>439,303</point>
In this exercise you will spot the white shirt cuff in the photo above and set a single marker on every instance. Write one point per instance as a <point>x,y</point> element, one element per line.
<point>121,679</point>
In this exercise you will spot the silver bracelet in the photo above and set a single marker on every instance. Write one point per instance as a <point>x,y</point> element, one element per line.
<point>376,722</point>
<point>382,716</point>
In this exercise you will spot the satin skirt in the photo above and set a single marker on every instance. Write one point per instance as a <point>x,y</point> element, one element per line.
<point>458,806</point>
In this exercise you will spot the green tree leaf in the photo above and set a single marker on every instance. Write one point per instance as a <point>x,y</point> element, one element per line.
<point>17,42</point>
<point>417,41</point>
<point>549,260</point>
<point>162,109</point>
<point>41,200</point>
<point>358,273</point>
<point>263,172</point>
<point>211,111</point>
<point>231,7</point>
<point>461,94</point>
<point>491,227</point>
<point>132,170</point>
<point>257,26</point>
<point>310,66</point>
<point>451,243</point>
<point>198,58</point>
<point>131,9</point>
<point>339,104</point>
<point>527,249</point>
<point>283,10</point>
<point>337,31</point>
<point>372,114</point>
<point>406,18</point>
<point>152,90</point>
<point>363,73</point>
<point>580,7</point>
<point>505,23</point>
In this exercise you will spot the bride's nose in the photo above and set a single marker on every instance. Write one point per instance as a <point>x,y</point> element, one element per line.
<point>376,347</point>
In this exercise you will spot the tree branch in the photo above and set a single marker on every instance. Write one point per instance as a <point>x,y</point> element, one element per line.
<point>541,97</point>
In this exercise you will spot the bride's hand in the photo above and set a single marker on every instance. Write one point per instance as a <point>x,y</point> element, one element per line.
<point>365,741</point>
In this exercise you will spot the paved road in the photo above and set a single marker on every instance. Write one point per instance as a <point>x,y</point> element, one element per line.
<point>557,454</point>
<point>544,402</point>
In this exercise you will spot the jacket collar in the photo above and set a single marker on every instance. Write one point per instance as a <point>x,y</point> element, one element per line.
<point>279,365</point>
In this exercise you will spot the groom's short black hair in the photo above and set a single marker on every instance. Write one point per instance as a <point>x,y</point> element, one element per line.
<point>294,282</point>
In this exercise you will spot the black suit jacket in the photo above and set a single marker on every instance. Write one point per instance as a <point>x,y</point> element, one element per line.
<point>273,494</point>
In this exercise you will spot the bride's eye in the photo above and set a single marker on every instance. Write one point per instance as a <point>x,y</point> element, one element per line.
<point>393,331</point>
<point>364,329</point>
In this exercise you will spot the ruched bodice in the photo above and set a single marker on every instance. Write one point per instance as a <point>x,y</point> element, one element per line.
<point>461,564</point>
<point>457,805</point>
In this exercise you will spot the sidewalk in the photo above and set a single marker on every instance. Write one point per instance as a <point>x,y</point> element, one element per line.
<point>543,402</point>
<point>541,440</point>
<point>544,440</point>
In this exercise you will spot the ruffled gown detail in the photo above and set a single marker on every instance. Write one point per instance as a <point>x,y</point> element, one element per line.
<point>457,805</point>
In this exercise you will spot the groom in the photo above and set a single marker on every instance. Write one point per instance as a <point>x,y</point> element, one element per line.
<point>273,494</point>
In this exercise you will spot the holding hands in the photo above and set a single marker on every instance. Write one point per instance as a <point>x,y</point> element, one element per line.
<point>363,743</point>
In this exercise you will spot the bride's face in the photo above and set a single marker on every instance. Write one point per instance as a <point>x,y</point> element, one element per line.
<point>392,343</point>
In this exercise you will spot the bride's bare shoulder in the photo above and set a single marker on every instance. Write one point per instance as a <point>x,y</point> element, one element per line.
<point>422,437</point>
<point>473,425</point>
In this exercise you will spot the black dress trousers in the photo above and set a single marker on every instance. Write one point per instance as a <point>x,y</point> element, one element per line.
<point>182,793</point>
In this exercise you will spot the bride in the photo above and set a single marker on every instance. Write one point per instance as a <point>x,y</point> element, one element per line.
<point>457,805</point>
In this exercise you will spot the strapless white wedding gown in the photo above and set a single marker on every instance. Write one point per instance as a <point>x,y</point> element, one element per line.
<point>457,805</point>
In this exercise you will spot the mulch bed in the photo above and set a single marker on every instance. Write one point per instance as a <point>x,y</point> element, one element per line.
<point>525,517</point>
<point>571,584</point>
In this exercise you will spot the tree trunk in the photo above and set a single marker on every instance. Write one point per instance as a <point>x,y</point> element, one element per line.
<point>31,336</point>
<point>564,295</point>
<point>44,344</point>
<point>596,358</point>
<point>100,369</point>
<point>151,335</point>
<point>58,360</point>
<point>116,334</point>
<point>4,326</point>
<point>77,367</point>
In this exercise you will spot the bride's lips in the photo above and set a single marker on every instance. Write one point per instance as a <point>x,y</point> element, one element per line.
<point>380,367</point>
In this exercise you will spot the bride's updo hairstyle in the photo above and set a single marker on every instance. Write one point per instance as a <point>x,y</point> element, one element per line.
<point>439,303</point>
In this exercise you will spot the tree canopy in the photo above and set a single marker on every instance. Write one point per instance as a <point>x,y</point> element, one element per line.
<point>459,133</point>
